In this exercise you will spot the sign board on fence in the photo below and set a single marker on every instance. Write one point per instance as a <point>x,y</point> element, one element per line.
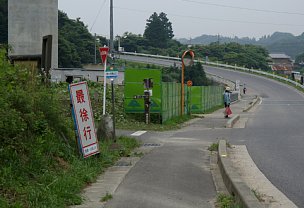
<point>83,118</point>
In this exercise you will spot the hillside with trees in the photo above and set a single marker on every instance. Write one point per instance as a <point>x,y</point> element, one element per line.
<point>278,42</point>
<point>77,44</point>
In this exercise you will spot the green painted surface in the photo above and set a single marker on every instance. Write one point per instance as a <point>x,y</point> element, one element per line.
<point>166,96</point>
<point>134,86</point>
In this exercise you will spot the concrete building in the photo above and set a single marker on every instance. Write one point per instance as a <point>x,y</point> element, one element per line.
<point>93,74</point>
<point>281,63</point>
<point>28,22</point>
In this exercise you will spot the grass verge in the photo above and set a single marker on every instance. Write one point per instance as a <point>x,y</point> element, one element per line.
<point>49,180</point>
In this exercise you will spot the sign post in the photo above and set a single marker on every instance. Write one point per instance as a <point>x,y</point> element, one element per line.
<point>103,54</point>
<point>83,119</point>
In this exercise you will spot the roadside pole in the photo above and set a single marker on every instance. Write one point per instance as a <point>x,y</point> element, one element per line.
<point>113,109</point>
<point>103,54</point>
<point>104,87</point>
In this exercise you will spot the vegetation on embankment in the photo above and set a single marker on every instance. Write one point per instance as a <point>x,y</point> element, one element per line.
<point>40,165</point>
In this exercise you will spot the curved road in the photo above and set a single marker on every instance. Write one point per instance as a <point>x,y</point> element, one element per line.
<point>274,135</point>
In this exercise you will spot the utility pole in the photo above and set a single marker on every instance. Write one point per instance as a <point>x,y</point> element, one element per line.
<point>111,27</point>
<point>95,48</point>
<point>218,39</point>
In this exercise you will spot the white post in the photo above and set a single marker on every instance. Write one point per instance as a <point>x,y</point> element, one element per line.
<point>104,87</point>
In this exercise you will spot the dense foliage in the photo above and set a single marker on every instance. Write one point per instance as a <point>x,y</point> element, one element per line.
<point>195,73</point>
<point>158,30</point>
<point>76,44</point>
<point>249,56</point>
<point>299,63</point>
<point>277,42</point>
<point>40,164</point>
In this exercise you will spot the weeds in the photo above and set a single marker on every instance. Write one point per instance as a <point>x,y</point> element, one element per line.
<point>258,195</point>
<point>226,201</point>
<point>107,197</point>
<point>213,147</point>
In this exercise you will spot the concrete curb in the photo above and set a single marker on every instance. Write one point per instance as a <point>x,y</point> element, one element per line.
<point>232,121</point>
<point>255,101</point>
<point>235,185</point>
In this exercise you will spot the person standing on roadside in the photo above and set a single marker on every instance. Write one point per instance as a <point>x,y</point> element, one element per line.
<point>244,89</point>
<point>227,101</point>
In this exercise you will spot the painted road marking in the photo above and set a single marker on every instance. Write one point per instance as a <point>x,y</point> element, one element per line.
<point>138,133</point>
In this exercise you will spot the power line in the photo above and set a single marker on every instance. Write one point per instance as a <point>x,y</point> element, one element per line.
<point>98,13</point>
<point>245,8</point>
<point>215,19</point>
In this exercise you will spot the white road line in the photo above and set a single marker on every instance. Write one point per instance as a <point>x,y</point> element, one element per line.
<point>261,100</point>
<point>138,133</point>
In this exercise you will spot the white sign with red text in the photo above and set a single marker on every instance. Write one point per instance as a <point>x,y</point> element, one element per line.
<point>84,120</point>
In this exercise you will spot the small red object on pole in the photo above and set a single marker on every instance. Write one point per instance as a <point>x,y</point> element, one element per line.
<point>103,53</point>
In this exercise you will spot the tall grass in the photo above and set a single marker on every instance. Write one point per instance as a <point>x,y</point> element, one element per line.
<point>40,165</point>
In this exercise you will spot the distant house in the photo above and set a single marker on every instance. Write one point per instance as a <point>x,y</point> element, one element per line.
<point>281,63</point>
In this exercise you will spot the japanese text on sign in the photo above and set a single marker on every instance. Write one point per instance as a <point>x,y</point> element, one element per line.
<point>84,119</point>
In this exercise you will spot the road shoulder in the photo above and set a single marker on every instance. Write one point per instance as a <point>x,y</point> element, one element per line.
<point>266,192</point>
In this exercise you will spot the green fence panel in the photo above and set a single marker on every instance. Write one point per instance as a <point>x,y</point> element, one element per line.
<point>204,98</point>
<point>166,96</point>
<point>134,86</point>
<point>171,98</point>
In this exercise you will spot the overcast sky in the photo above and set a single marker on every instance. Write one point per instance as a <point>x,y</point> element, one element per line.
<point>192,18</point>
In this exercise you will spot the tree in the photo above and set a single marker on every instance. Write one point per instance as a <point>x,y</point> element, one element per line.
<point>196,74</point>
<point>76,44</point>
<point>158,30</point>
<point>299,63</point>
<point>132,42</point>
<point>300,59</point>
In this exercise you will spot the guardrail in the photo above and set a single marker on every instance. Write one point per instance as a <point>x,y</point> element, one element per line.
<point>256,71</point>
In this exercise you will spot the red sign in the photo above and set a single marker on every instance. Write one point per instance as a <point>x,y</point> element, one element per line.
<point>103,53</point>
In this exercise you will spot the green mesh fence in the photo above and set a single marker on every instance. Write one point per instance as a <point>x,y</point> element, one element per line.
<point>166,96</point>
<point>204,98</point>
<point>171,100</point>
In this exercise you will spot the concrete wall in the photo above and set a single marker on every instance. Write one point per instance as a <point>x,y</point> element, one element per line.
<point>60,75</point>
<point>28,22</point>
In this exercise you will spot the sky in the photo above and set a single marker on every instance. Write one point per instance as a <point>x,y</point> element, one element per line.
<point>191,18</point>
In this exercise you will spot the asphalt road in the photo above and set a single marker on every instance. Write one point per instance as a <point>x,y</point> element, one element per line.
<point>274,135</point>
<point>165,177</point>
